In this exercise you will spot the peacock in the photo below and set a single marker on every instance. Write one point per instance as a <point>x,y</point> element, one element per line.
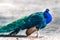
<point>32,23</point>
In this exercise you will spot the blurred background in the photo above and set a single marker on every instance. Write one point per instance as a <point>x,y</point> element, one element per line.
<point>11,10</point>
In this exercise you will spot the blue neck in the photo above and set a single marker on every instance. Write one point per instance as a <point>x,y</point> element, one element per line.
<point>48,16</point>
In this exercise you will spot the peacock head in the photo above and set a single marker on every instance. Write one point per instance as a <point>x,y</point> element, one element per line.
<point>47,16</point>
<point>47,10</point>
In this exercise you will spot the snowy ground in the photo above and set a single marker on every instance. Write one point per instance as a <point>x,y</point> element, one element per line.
<point>11,10</point>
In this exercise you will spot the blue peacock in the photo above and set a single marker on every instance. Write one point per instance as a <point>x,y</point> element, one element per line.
<point>38,18</point>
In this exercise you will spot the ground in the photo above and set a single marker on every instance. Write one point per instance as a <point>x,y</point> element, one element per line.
<point>11,10</point>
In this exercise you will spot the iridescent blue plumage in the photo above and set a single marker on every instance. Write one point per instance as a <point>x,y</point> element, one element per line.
<point>47,16</point>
